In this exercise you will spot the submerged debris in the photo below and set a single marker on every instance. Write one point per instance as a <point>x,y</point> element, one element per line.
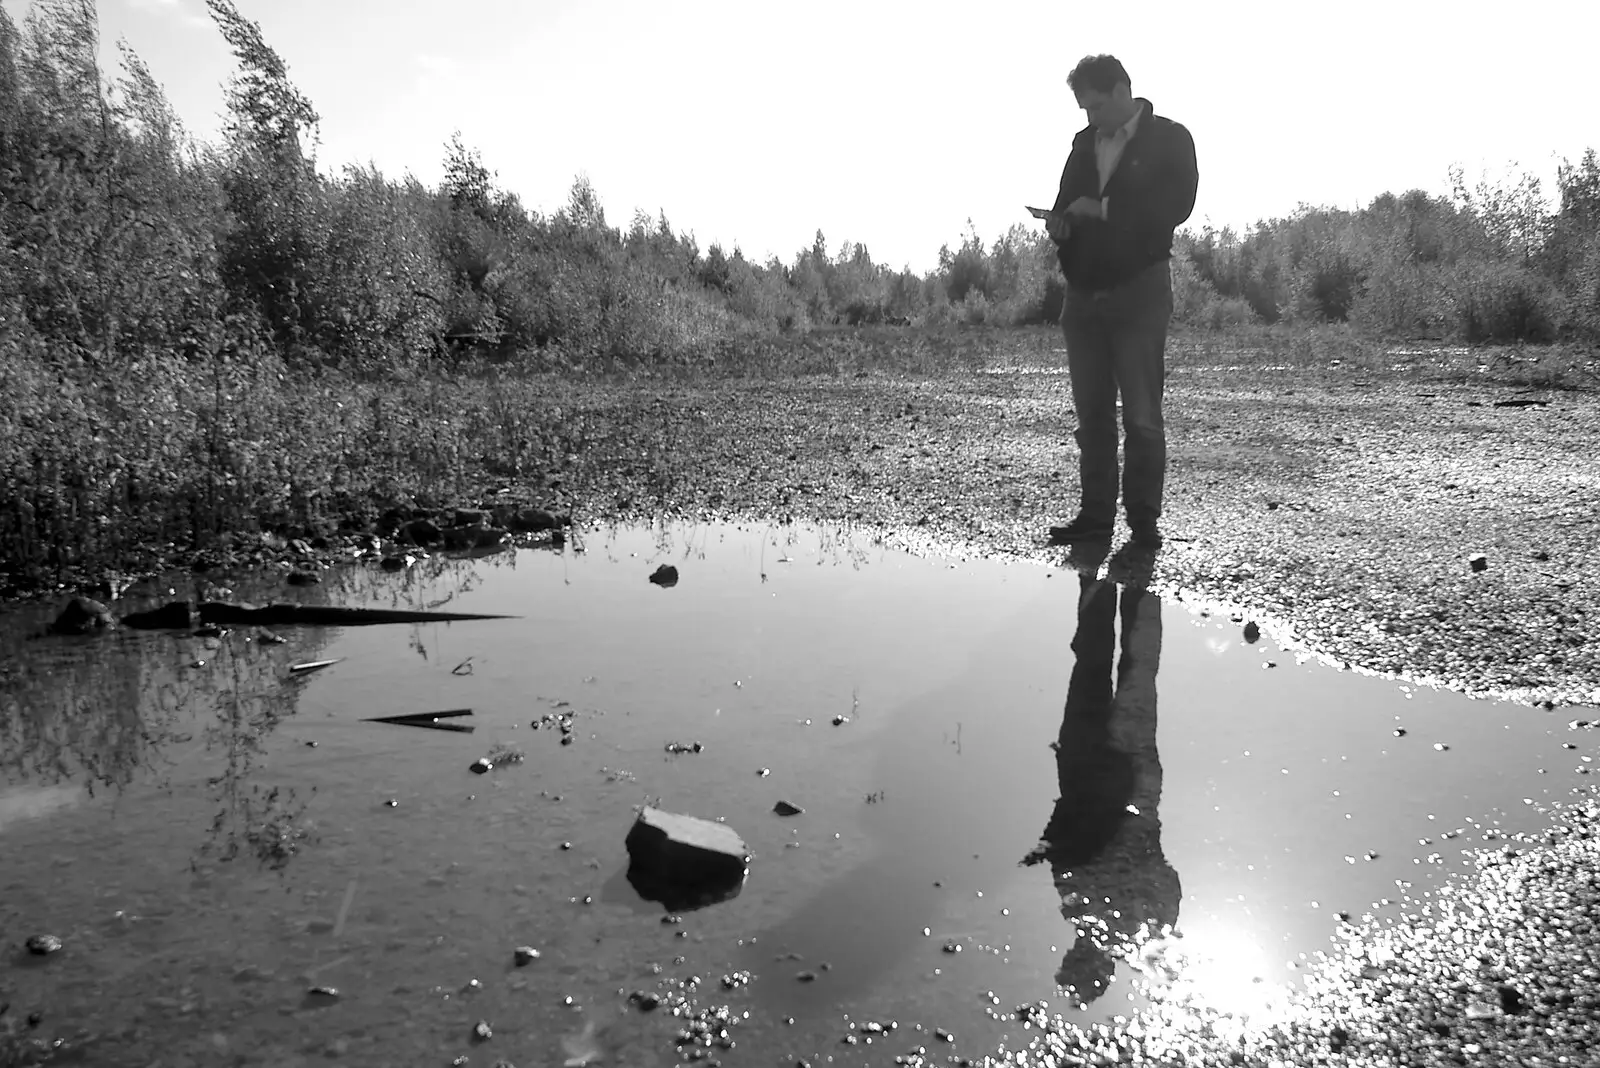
<point>784,808</point>
<point>430,720</point>
<point>665,576</point>
<point>313,665</point>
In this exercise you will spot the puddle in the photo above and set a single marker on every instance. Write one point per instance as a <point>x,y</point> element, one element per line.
<point>1174,776</point>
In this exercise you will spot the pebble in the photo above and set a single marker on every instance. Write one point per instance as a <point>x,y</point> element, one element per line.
<point>481,1031</point>
<point>43,945</point>
<point>524,955</point>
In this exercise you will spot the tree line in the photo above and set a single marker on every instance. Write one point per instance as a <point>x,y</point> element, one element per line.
<point>124,236</point>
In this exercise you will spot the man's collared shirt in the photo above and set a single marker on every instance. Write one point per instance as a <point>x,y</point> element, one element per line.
<point>1108,151</point>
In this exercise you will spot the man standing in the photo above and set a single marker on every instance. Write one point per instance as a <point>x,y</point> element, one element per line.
<point>1128,184</point>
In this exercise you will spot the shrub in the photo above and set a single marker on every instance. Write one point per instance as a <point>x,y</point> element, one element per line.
<point>1502,302</point>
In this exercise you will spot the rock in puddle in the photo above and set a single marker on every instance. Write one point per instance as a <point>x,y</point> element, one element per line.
<point>43,945</point>
<point>784,808</point>
<point>665,576</point>
<point>82,615</point>
<point>524,955</point>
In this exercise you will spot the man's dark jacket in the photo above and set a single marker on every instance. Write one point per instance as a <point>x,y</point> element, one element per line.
<point>1150,194</point>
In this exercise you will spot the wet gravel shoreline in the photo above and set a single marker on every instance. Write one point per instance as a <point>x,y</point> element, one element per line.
<point>1344,515</point>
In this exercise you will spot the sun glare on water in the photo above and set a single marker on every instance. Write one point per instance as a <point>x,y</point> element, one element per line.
<point>1219,974</point>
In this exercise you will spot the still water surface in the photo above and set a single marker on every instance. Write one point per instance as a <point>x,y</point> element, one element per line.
<point>1019,745</point>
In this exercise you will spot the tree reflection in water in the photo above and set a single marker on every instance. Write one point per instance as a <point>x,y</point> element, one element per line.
<point>1103,840</point>
<point>105,713</point>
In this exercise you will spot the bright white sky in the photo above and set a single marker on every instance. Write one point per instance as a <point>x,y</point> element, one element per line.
<point>892,123</point>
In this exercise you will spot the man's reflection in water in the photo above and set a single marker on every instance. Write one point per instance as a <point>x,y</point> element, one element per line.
<point>1103,840</point>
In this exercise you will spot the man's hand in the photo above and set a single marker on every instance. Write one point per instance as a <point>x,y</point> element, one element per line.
<point>1059,226</point>
<point>1086,208</point>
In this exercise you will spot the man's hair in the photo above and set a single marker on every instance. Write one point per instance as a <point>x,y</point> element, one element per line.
<point>1099,73</point>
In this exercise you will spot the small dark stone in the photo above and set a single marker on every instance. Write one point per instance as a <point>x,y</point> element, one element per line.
<point>35,1018</point>
<point>42,945</point>
<point>534,520</point>
<point>393,563</point>
<point>1510,998</point>
<point>1252,632</point>
<point>806,977</point>
<point>419,532</point>
<point>524,955</point>
<point>325,993</point>
<point>839,721</point>
<point>1337,1038</point>
<point>645,1000</point>
<point>82,616</point>
<point>303,578</point>
<point>952,947</point>
<point>1478,562</point>
<point>665,576</point>
<point>481,765</point>
<point>784,808</point>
